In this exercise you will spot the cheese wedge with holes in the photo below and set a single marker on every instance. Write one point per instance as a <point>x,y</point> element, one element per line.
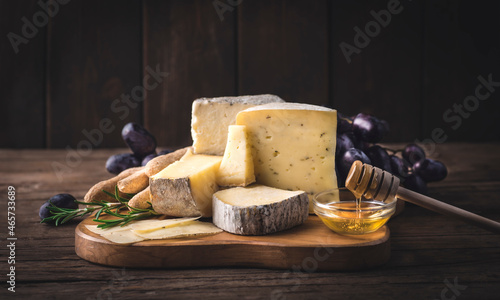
<point>185,188</point>
<point>258,209</point>
<point>212,116</point>
<point>293,145</point>
<point>236,168</point>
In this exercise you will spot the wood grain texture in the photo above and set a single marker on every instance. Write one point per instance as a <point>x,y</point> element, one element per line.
<point>461,43</point>
<point>22,117</point>
<point>311,242</point>
<point>384,78</point>
<point>94,58</point>
<point>283,50</point>
<point>426,248</point>
<point>187,40</point>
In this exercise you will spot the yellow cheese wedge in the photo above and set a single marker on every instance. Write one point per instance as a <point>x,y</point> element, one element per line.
<point>293,145</point>
<point>185,188</point>
<point>236,168</point>
<point>193,228</point>
<point>160,224</point>
<point>212,116</point>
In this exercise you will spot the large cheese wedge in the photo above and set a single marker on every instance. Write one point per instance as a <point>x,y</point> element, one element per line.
<point>258,209</point>
<point>185,188</point>
<point>236,168</point>
<point>293,145</point>
<point>212,116</point>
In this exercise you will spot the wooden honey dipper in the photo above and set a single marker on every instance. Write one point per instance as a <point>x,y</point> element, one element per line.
<point>375,183</point>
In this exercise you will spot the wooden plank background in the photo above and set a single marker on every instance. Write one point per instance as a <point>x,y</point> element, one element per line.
<point>88,63</point>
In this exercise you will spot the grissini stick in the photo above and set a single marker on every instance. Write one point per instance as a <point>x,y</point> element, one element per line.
<point>375,183</point>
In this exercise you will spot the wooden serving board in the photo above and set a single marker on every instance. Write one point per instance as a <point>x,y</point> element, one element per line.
<point>309,247</point>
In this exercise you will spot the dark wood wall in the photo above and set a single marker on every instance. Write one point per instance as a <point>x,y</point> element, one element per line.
<point>79,69</point>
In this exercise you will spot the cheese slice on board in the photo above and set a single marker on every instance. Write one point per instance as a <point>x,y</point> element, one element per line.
<point>161,224</point>
<point>236,168</point>
<point>212,116</point>
<point>185,188</point>
<point>293,145</point>
<point>189,229</point>
<point>259,210</point>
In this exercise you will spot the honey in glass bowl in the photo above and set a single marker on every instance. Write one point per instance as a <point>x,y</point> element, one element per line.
<point>343,213</point>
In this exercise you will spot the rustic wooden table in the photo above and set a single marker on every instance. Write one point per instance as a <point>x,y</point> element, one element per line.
<point>433,257</point>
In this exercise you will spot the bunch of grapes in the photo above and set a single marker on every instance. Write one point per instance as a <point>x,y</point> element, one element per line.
<point>356,140</point>
<point>143,146</point>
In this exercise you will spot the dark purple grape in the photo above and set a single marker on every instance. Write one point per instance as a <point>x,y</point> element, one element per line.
<point>119,162</point>
<point>358,143</point>
<point>412,153</point>
<point>147,158</point>
<point>344,142</point>
<point>166,151</point>
<point>368,128</point>
<point>379,158</point>
<point>139,140</point>
<point>344,123</point>
<point>349,157</point>
<point>384,126</point>
<point>430,170</point>
<point>416,183</point>
<point>59,200</point>
<point>399,167</point>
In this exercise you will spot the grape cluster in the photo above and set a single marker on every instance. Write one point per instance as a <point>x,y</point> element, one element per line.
<point>356,140</point>
<point>143,146</point>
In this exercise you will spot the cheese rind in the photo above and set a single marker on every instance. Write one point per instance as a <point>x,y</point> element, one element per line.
<point>236,168</point>
<point>258,209</point>
<point>293,145</point>
<point>212,116</point>
<point>185,188</point>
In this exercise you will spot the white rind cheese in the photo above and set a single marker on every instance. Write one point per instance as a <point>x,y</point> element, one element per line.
<point>212,116</point>
<point>185,188</point>
<point>293,145</point>
<point>258,209</point>
<point>236,168</point>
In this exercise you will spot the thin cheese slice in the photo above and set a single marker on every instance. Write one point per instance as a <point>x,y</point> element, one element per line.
<point>193,228</point>
<point>122,237</point>
<point>258,209</point>
<point>160,224</point>
<point>185,188</point>
<point>212,116</point>
<point>96,230</point>
<point>236,168</point>
<point>293,145</point>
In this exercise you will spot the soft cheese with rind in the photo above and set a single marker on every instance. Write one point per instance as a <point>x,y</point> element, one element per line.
<point>293,145</point>
<point>212,116</point>
<point>236,168</point>
<point>258,209</point>
<point>185,188</point>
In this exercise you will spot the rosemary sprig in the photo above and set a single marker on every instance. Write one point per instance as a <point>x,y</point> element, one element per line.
<point>63,215</point>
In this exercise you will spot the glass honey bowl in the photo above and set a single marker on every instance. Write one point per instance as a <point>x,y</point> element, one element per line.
<point>338,210</point>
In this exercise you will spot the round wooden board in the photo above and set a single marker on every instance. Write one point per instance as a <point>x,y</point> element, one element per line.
<point>309,247</point>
